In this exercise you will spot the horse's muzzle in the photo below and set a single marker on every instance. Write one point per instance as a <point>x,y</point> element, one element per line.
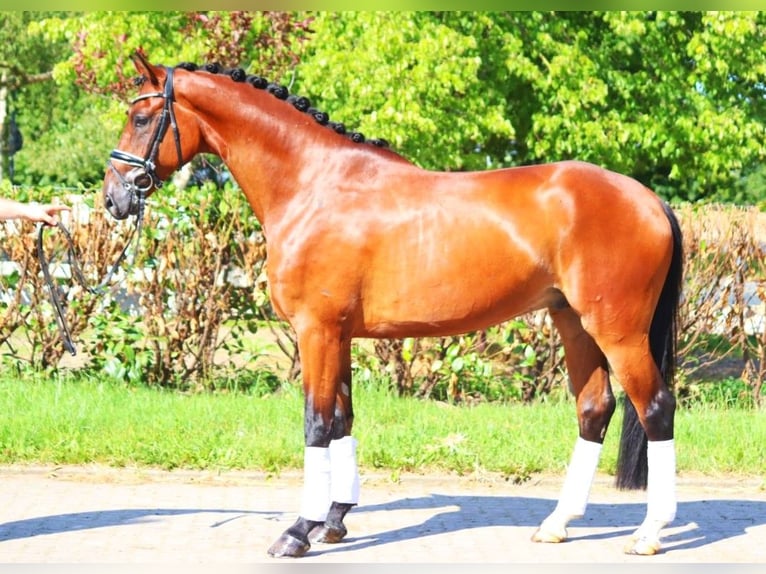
<point>120,202</point>
<point>123,193</point>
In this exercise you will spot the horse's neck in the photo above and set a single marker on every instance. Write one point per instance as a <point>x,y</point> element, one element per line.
<point>275,152</point>
<point>268,146</point>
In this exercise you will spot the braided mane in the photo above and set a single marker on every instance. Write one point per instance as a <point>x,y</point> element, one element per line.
<point>301,103</point>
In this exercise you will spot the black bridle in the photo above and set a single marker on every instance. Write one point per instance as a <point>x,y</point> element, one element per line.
<point>138,185</point>
<point>147,178</point>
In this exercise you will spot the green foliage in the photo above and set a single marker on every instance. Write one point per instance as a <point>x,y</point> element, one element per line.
<point>409,78</point>
<point>749,190</point>
<point>518,360</point>
<point>35,100</point>
<point>653,95</point>
<point>71,121</point>
<point>674,99</point>
<point>70,149</point>
<point>22,55</point>
<point>726,393</point>
<point>66,137</point>
<point>118,351</point>
<point>193,242</point>
<point>103,42</point>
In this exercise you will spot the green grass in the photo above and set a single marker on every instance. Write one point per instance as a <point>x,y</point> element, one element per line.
<point>84,421</point>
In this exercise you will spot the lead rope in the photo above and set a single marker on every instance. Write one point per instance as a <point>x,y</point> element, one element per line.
<point>77,273</point>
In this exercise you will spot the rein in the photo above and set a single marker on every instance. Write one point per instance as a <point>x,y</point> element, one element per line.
<point>77,273</point>
<point>138,186</point>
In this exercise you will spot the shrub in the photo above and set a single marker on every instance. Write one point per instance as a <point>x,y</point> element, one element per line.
<point>723,314</point>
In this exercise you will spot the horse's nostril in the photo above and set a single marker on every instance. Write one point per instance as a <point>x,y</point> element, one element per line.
<point>109,202</point>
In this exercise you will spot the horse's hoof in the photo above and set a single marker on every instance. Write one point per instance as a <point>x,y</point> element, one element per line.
<point>549,536</point>
<point>288,546</point>
<point>643,546</point>
<point>325,534</point>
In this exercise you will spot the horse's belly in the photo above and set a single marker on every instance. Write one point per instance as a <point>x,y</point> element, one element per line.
<point>424,304</point>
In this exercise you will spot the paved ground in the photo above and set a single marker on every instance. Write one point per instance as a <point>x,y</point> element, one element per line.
<point>98,515</point>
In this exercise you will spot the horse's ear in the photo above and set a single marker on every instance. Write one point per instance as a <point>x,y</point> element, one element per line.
<point>144,67</point>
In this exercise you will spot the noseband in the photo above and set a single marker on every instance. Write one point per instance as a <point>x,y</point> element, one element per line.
<point>147,164</point>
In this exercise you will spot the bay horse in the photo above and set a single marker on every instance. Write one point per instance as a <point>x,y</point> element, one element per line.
<point>362,243</point>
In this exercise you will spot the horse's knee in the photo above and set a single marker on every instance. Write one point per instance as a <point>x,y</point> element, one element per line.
<point>320,427</point>
<point>318,430</point>
<point>645,388</point>
<point>343,419</point>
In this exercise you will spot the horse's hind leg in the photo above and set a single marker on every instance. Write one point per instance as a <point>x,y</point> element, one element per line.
<point>589,381</point>
<point>653,402</point>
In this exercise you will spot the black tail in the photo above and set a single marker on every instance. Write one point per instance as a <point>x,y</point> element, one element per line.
<point>632,467</point>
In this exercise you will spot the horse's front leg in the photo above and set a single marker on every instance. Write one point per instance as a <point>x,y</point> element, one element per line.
<point>330,473</point>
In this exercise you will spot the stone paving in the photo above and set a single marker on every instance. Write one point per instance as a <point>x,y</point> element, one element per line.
<point>79,515</point>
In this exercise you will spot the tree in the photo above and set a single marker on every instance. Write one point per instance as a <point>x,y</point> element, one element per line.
<point>410,78</point>
<point>97,71</point>
<point>24,62</point>
<point>103,42</point>
<point>673,99</point>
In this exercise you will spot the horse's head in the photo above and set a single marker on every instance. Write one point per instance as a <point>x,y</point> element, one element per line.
<point>150,147</point>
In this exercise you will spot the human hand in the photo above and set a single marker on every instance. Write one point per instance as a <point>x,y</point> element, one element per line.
<point>45,213</point>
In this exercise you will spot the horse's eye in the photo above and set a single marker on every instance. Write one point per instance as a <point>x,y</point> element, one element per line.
<point>140,121</point>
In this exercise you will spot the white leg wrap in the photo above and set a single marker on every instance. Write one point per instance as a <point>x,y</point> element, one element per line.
<point>582,468</point>
<point>660,498</point>
<point>316,483</point>
<point>661,484</point>
<point>344,471</point>
<point>574,493</point>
